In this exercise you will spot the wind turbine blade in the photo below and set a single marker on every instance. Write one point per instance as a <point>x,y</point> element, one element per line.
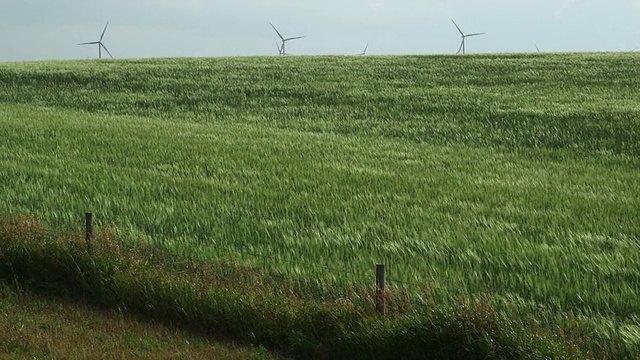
<point>365,49</point>
<point>277,32</point>
<point>460,48</point>
<point>107,50</point>
<point>103,31</point>
<point>89,43</point>
<point>295,38</point>
<point>457,27</point>
<point>476,34</point>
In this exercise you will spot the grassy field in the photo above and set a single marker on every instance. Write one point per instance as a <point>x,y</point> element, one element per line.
<point>514,175</point>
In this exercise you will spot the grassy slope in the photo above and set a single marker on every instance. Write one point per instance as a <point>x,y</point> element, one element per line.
<point>224,300</point>
<point>516,174</point>
<point>35,327</point>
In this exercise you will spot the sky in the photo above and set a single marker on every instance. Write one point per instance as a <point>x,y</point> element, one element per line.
<point>33,30</point>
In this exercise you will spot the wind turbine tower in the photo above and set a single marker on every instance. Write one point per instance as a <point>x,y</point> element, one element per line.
<point>282,49</point>
<point>99,43</point>
<point>464,36</point>
<point>365,50</point>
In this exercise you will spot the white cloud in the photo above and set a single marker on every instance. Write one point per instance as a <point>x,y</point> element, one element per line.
<point>377,5</point>
<point>564,6</point>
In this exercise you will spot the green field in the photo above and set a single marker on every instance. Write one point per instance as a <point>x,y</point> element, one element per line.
<point>514,175</point>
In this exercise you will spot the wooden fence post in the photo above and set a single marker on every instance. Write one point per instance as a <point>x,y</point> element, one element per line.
<point>89,229</point>
<point>380,295</point>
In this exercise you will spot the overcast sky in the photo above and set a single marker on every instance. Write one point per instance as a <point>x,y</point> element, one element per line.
<point>51,29</point>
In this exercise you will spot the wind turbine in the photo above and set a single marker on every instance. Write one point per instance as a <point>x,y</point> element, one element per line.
<point>282,50</point>
<point>464,36</point>
<point>99,43</point>
<point>365,50</point>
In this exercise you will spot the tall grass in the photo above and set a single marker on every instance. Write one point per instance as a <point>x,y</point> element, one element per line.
<point>135,280</point>
<point>512,174</point>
